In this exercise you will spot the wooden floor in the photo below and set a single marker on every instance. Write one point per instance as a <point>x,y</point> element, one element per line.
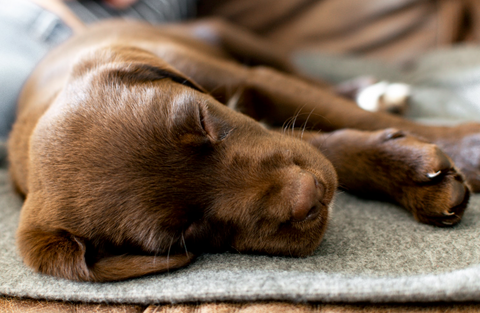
<point>14,305</point>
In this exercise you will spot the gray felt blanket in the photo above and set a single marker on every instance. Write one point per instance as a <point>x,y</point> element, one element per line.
<point>372,251</point>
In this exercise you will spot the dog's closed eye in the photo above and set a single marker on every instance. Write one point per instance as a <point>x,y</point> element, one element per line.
<point>215,128</point>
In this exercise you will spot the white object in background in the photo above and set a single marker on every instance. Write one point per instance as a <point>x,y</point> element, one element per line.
<point>384,96</point>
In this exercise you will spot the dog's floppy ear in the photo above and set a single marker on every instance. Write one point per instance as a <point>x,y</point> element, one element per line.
<point>131,65</point>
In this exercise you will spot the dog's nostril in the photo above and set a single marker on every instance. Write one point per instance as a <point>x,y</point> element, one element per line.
<point>309,194</point>
<point>314,210</point>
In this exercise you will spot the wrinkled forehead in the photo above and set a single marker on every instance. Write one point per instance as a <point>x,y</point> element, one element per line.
<point>182,99</point>
<point>121,66</point>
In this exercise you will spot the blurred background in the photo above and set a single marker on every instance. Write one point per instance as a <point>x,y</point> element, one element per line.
<point>396,31</point>
<point>391,30</point>
<point>430,44</point>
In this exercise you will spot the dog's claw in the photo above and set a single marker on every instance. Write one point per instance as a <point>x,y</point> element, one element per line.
<point>433,175</point>
<point>447,223</point>
<point>448,213</point>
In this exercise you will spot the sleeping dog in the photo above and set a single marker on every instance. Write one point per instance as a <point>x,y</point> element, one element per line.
<point>139,147</point>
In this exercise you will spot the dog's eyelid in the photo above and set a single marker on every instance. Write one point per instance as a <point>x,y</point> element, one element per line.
<point>203,122</point>
<point>213,128</point>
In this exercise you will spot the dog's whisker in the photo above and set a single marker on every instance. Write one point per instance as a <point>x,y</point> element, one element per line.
<point>234,248</point>
<point>184,244</point>
<point>306,121</point>
<point>297,114</point>
<point>232,103</point>
<point>293,123</point>
<point>322,144</point>
<point>286,124</point>
<point>168,254</point>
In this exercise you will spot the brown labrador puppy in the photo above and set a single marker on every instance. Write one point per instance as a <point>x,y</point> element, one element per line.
<point>132,165</point>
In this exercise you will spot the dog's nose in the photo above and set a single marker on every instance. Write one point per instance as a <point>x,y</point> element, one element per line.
<point>307,204</point>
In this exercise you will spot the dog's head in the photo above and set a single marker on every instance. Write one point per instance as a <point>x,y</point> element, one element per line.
<point>149,160</point>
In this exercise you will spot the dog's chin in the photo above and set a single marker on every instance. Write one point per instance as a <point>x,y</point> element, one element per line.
<point>292,239</point>
<point>306,236</point>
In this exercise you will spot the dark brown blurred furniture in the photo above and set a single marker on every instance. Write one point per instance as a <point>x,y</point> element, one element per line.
<point>394,30</point>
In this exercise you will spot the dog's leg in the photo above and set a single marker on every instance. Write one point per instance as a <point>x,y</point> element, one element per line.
<point>393,165</point>
<point>274,97</point>
<point>244,46</point>
<point>64,255</point>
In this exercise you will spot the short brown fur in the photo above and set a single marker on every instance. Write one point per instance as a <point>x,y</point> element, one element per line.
<point>131,165</point>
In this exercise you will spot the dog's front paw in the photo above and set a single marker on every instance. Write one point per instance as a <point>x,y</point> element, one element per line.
<point>422,178</point>
<point>400,167</point>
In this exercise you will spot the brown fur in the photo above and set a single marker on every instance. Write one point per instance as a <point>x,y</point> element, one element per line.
<point>131,165</point>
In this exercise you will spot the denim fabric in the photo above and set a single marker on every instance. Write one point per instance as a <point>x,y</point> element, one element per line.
<point>152,11</point>
<point>27,33</point>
